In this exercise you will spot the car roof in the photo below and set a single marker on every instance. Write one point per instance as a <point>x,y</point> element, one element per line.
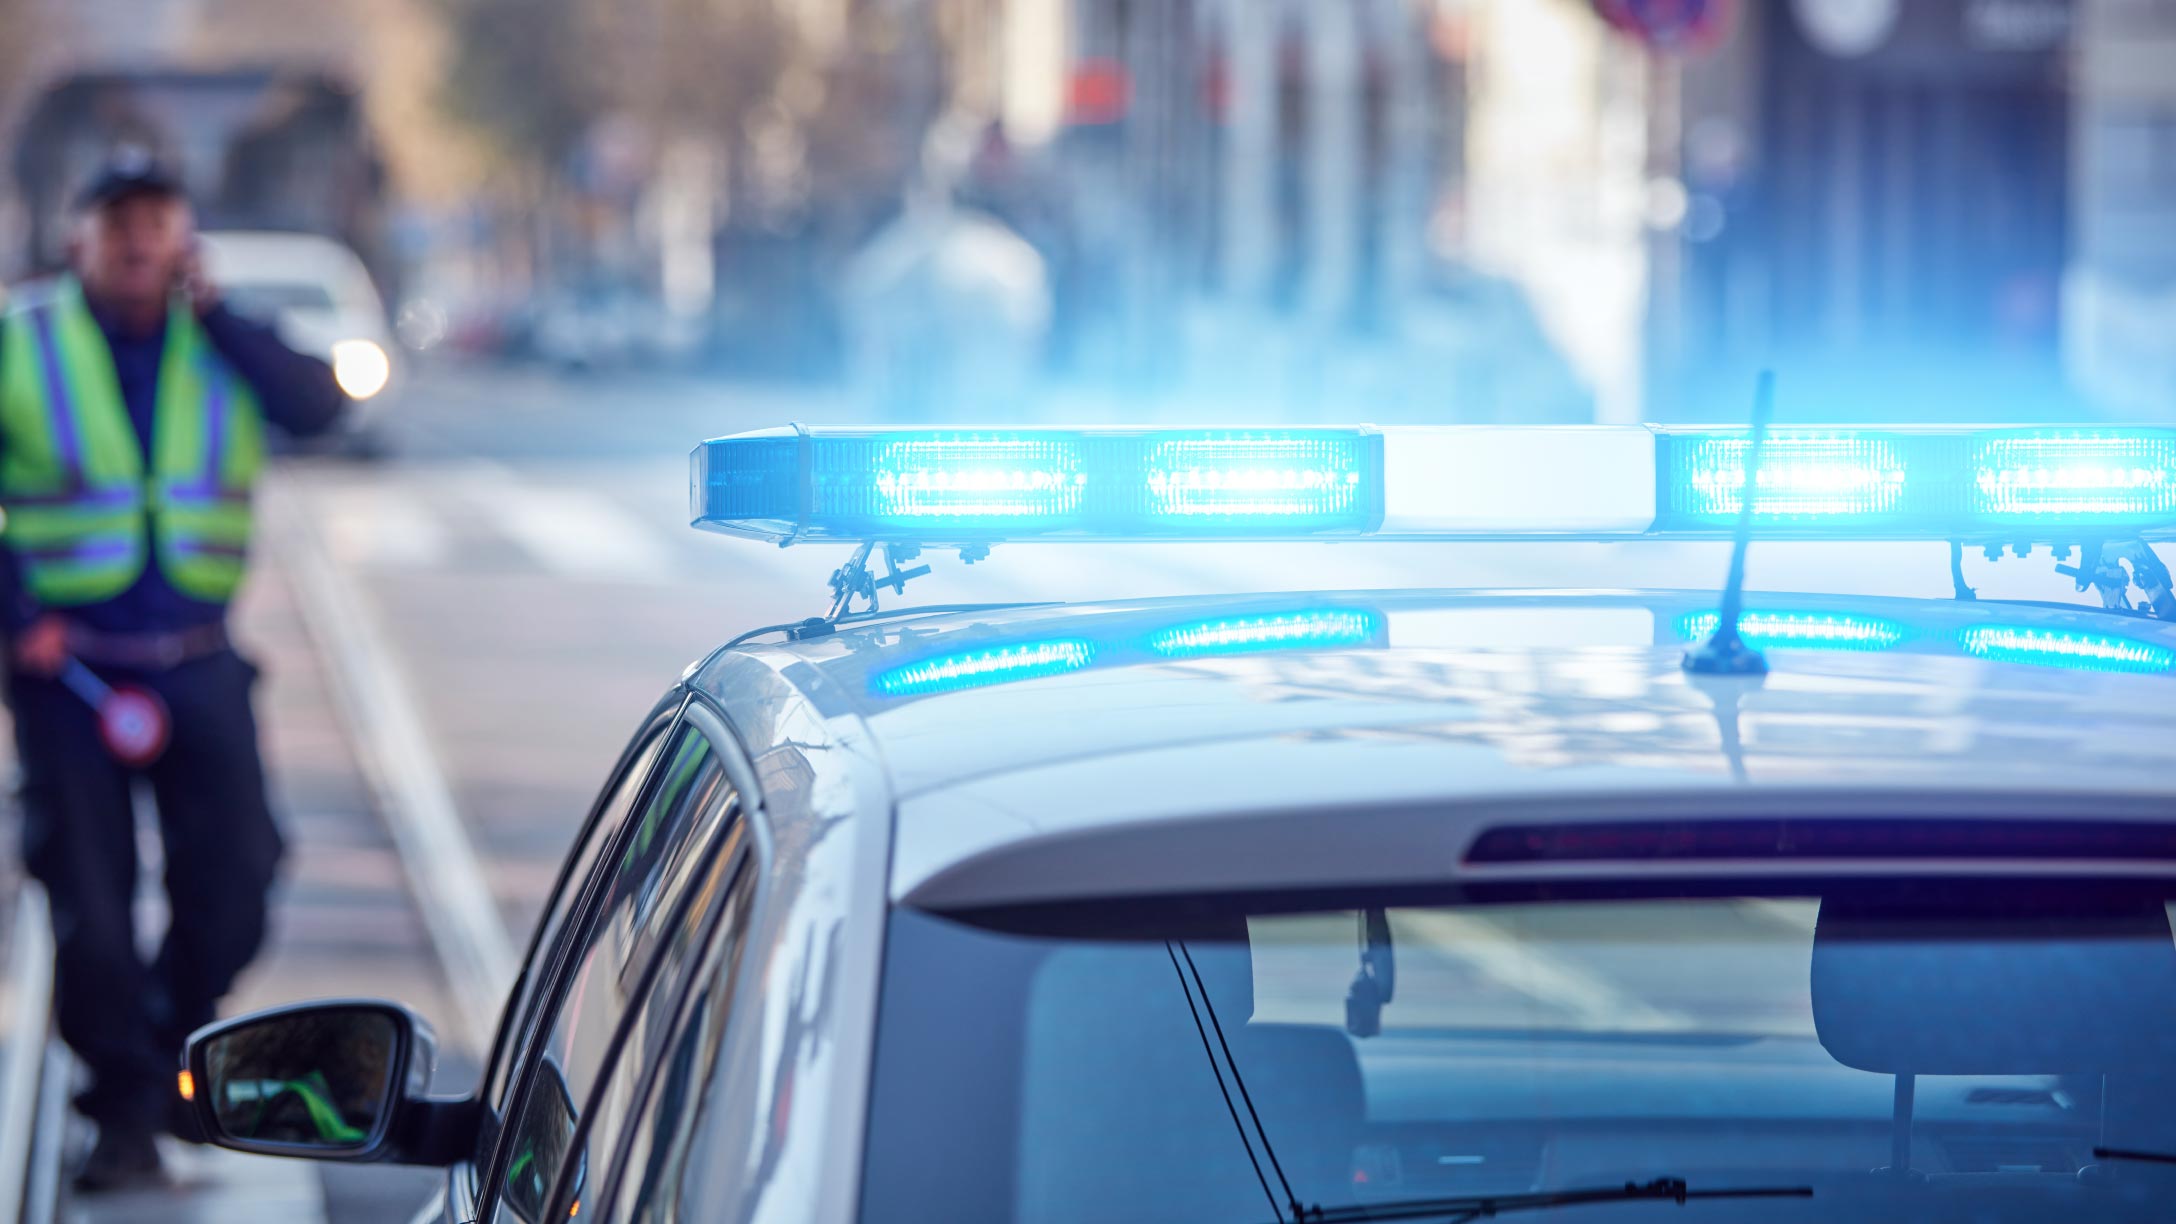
<point>1052,725</point>
<point>270,256</point>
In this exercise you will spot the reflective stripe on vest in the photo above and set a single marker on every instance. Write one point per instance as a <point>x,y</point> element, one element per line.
<point>81,514</point>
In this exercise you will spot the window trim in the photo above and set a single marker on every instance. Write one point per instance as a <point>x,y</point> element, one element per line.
<point>726,748</point>
<point>715,939</point>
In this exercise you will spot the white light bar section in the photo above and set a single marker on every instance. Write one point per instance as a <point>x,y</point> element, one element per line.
<point>1518,480</point>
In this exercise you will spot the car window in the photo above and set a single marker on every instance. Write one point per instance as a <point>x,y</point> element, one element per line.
<point>545,946</point>
<point>1132,1060</point>
<point>656,860</point>
<point>645,1109</point>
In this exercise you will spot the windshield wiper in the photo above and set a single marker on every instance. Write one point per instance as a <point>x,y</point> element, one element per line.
<point>2102,1153</point>
<point>1475,1207</point>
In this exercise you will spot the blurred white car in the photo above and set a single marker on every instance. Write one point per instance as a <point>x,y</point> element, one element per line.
<point>320,297</point>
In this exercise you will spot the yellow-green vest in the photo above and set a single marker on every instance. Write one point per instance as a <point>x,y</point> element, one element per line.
<point>83,517</point>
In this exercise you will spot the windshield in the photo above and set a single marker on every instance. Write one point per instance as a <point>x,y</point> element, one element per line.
<point>1078,1068</point>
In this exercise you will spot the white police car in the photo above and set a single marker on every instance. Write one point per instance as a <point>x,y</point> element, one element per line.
<point>1414,905</point>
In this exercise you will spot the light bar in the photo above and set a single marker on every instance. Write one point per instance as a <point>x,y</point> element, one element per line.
<point>1800,630</point>
<point>976,486</point>
<point>2043,485</point>
<point>2065,648</point>
<point>1311,630</point>
<point>1804,477</point>
<point>2017,485</point>
<point>1020,478</point>
<point>2085,474</point>
<point>1295,480</point>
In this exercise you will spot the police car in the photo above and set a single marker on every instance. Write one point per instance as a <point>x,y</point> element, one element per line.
<point>1406,905</point>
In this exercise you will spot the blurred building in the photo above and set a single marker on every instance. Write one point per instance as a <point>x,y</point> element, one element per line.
<point>1343,209</point>
<point>2119,284</point>
<point>1938,209</point>
<point>1492,210</point>
<point>1396,209</point>
<point>279,122</point>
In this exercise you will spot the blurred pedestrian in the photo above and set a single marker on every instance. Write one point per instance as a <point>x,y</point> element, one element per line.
<point>132,411</point>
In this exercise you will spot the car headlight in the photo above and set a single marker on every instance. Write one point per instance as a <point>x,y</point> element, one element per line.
<point>361,368</point>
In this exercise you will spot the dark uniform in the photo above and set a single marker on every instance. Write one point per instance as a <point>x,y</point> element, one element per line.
<point>164,630</point>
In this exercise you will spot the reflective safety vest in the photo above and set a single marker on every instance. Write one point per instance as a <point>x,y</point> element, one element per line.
<point>83,517</point>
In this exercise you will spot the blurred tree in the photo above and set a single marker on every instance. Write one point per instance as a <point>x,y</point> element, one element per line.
<point>795,126</point>
<point>522,72</point>
<point>18,39</point>
<point>703,66</point>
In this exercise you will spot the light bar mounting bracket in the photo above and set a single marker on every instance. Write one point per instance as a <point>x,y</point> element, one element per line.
<point>855,580</point>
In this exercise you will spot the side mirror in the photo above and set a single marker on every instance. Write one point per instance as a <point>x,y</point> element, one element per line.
<point>339,1080</point>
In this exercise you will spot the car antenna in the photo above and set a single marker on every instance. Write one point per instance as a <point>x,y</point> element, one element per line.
<point>1724,653</point>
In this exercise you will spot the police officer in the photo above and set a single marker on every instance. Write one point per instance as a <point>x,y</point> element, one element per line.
<point>132,414</point>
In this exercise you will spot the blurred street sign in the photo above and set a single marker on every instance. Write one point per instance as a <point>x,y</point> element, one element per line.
<point>1668,25</point>
<point>1099,93</point>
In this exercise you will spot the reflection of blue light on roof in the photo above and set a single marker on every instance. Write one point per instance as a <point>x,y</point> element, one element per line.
<point>1313,629</point>
<point>974,668</point>
<point>1800,630</point>
<point>2063,648</point>
<point>1826,477</point>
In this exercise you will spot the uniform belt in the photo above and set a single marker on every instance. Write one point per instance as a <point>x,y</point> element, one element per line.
<point>153,651</point>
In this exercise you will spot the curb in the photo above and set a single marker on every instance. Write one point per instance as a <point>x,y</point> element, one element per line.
<point>405,778</point>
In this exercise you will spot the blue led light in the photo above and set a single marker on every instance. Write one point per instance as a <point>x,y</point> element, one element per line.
<point>977,477</point>
<point>1314,629</point>
<point>2065,648</point>
<point>1804,477</point>
<point>2076,474</point>
<point>1257,477</point>
<point>1800,630</point>
<point>966,486</point>
<point>974,668</point>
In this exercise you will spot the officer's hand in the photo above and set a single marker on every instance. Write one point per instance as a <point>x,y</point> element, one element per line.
<point>195,284</point>
<point>42,647</point>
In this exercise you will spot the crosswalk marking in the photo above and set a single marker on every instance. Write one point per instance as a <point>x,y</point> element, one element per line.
<point>382,526</point>
<point>574,532</point>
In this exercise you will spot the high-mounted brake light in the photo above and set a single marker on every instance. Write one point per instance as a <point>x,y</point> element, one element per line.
<point>985,486</point>
<point>1823,838</point>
